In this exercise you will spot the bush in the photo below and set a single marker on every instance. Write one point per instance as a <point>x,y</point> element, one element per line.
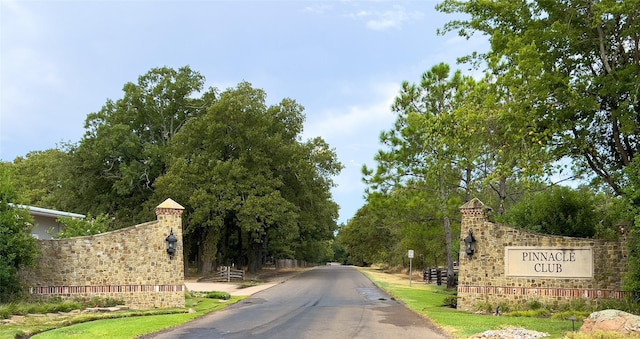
<point>74,227</point>
<point>568,314</point>
<point>558,211</point>
<point>535,305</point>
<point>218,295</point>
<point>451,301</point>
<point>538,313</point>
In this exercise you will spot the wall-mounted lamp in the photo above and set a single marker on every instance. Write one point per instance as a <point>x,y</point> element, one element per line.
<point>172,242</point>
<point>470,243</point>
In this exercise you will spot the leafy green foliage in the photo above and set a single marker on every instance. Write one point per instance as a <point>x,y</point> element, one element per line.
<point>123,150</point>
<point>249,185</point>
<point>570,69</point>
<point>424,149</point>
<point>558,211</point>
<point>451,301</point>
<point>75,227</point>
<point>18,248</point>
<point>43,178</point>
<point>632,196</point>
<point>218,295</point>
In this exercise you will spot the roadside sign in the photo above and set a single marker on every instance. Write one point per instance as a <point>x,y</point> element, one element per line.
<point>410,266</point>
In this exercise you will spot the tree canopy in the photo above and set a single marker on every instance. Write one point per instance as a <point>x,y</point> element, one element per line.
<point>123,150</point>
<point>571,68</point>
<point>248,182</point>
<point>251,186</point>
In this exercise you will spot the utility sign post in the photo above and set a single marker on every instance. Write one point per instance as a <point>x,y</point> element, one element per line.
<point>410,266</point>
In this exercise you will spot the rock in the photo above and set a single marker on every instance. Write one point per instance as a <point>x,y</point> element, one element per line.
<point>16,319</point>
<point>510,333</point>
<point>612,321</point>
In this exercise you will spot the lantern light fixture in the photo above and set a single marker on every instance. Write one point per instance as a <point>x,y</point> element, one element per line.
<point>172,242</point>
<point>470,243</point>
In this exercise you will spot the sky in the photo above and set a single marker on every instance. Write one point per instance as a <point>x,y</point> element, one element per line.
<point>344,61</point>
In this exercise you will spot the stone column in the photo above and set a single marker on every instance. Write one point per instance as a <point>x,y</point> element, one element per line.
<point>169,214</point>
<point>471,273</point>
<point>474,215</point>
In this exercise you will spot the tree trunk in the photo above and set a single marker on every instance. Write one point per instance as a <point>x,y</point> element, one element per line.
<point>255,257</point>
<point>447,232</point>
<point>502,194</point>
<point>207,252</point>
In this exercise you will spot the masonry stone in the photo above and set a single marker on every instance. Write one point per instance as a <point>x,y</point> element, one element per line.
<point>513,266</point>
<point>129,264</point>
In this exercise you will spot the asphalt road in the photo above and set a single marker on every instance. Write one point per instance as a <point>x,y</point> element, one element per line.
<point>326,302</point>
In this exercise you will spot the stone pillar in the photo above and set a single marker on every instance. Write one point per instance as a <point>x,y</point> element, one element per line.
<point>474,217</point>
<point>169,214</point>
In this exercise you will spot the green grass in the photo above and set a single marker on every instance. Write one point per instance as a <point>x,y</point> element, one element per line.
<point>428,300</point>
<point>135,326</point>
<point>127,327</point>
<point>130,323</point>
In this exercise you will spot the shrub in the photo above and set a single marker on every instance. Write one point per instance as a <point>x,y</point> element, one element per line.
<point>485,307</point>
<point>218,295</point>
<point>535,305</point>
<point>538,313</point>
<point>580,315</point>
<point>451,301</point>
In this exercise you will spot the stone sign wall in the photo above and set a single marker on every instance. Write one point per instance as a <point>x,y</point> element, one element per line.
<point>130,264</point>
<point>513,266</point>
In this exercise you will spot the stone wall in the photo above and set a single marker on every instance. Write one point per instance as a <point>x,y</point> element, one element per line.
<point>487,277</point>
<point>130,264</point>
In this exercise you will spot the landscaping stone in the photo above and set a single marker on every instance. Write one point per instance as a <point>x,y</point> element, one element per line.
<point>105,309</point>
<point>15,319</point>
<point>612,321</point>
<point>510,333</point>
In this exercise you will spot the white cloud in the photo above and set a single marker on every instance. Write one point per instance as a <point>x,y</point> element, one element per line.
<point>336,122</point>
<point>383,20</point>
<point>318,9</point>
<point>19,17</point>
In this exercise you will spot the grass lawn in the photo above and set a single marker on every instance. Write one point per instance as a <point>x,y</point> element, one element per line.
<point>130,324</point>
<point>427,300</point>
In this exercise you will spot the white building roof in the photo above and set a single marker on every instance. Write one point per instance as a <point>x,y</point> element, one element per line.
<point>49,212</point>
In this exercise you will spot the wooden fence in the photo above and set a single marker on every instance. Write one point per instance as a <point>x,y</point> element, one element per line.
<point>226,273</point>
<point>437,275</point>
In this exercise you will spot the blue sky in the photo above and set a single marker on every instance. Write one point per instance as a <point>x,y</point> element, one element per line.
<point>344,61</point>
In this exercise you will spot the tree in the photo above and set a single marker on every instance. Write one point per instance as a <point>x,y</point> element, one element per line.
<point>249,186</point>
<point>558,210</point>
<point>123,150</point>
<point>571,67</point>
<point>43,178</point>
<point>367,238</point>
<point>18,249</point>
<point>75,227</point>
<point>424,152</point>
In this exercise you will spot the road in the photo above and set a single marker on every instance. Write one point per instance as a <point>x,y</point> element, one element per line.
<point>326,302</point>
